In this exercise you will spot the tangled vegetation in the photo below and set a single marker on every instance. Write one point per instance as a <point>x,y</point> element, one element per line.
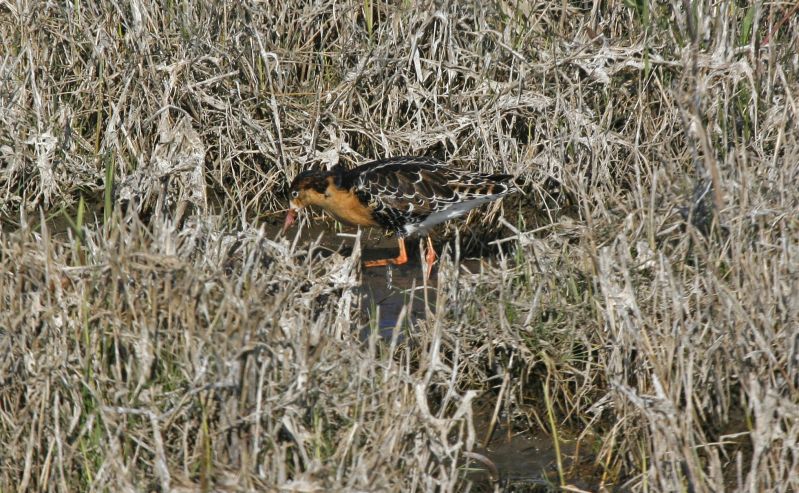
<point>639,302</point>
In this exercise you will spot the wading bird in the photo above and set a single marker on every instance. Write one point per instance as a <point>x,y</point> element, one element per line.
<point>403,195</point>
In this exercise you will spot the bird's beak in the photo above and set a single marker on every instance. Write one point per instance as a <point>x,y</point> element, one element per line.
<point>291,217</point>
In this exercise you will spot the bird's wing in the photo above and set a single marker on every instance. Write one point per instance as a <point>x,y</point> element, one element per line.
<point>412,185</point>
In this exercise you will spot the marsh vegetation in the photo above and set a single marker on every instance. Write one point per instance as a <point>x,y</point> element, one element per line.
<point>636,308</point>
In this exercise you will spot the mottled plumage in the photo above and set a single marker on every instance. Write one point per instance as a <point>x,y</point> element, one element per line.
<point>412,194</point>
<point>406,195</point>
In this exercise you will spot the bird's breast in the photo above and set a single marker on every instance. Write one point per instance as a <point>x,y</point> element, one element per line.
<point>347,208</point>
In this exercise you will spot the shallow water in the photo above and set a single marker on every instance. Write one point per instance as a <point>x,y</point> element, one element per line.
<point>394,300</point>
<point>525,461</point>
<point>388,291</point>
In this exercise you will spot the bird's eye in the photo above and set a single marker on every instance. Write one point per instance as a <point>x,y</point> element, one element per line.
<point>295,193</point>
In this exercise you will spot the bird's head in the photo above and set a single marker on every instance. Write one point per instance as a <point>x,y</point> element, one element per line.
<point>308,188</point>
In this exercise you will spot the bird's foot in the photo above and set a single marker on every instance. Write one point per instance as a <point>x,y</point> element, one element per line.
<point>398,260</point>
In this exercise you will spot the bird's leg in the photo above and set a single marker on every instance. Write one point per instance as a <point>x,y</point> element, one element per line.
<point>399,260</point>
<point>430,257</point>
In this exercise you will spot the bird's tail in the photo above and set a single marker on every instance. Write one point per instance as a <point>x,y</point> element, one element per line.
<point>496,184</point>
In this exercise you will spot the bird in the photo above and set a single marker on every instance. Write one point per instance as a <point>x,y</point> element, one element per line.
<point>405,195</point>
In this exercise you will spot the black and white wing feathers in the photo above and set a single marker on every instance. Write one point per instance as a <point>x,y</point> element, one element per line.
<point>412,194</point>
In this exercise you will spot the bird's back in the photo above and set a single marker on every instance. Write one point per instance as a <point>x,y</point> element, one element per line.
<point>412,194</point>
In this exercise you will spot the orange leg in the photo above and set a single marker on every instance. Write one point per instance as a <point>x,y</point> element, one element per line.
<point>399,260</point>
<point>430,257</point>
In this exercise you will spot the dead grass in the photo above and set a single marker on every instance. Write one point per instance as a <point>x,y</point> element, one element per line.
<point>158,339</point>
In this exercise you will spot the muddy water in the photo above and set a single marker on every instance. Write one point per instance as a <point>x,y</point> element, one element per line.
<point>512,460</point>
<point>392,295</point>
<point>506,458</point>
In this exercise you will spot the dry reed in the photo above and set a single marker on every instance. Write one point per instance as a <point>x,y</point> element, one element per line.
<point>154,337</point>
